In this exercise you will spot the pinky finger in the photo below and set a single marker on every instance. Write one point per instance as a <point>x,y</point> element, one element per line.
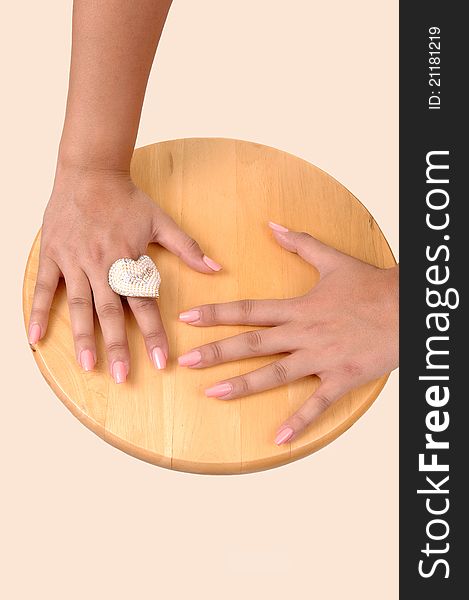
<point>326,394</point>
<point>46,284</point>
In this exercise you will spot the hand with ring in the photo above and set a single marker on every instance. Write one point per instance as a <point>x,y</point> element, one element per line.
<point>96,215</point>
<point>92,220</point>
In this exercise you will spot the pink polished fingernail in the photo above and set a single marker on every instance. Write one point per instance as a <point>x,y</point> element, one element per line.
<point>119,371</point>
<point>211,263</point>
<point>189,316</point>
<point>87,360</point>
<point>277,227</point>
<point>190,359</point>
<point>159,358</point>
<point>221,389</point>
<point>34,333</point>
<point>284,435</point>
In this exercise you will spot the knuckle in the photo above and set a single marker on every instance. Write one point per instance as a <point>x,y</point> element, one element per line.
<point>50,250</point>
<point>42,287</point>
<point>116,346</point>
<point>302,236</point>
<point>154,336</point>
<point>143,304</point>
<point>322,401</point>
<point>313,328</point>
<point>38,314</point>
<point>209,313</point>
<point>82,336</point>
<point>79,302</point>
<point>242,385</point>
<point>254,341</point>
<point>109,310</point>
<point>216,352</point>
<point>95,254</point>
<point>352,369</point>
<point>299,307</point>
<point>280,372</point>
<point>190,245</point>
<point>246,308</point>
<point>301,419</point>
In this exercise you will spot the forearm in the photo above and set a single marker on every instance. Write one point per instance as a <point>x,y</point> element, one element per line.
<point>113,46</point>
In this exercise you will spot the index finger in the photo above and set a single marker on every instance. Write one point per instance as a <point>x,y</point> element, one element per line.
<point>239,312</point>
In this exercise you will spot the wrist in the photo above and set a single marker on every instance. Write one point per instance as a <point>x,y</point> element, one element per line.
<point>93,153</point>
<point>69,162</point>
<point>86,178</point>
<point>81,165</point>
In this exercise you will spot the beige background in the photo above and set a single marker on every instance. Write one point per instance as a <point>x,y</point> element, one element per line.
<point>81,519</point>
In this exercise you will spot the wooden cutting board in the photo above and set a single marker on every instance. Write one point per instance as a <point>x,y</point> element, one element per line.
<point>222,192</point>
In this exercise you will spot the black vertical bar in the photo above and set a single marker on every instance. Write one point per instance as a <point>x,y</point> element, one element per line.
<point>433,118</point>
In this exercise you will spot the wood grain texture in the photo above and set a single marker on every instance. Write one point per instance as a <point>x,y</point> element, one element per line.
<point>222,192</point>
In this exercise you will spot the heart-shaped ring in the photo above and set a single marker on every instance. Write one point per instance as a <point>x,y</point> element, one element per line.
<point>136,278</point>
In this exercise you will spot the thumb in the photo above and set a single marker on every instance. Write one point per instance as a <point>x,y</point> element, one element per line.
<point>323,257</point>
<point>326,394</point>
<point>174,239</point>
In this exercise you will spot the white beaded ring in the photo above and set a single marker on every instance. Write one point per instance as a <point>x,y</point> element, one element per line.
<point>135,278</point>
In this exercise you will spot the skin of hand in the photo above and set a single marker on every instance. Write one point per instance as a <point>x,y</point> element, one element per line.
<point>344,330</point>
<point>95,214</point>
<point>80,240</point>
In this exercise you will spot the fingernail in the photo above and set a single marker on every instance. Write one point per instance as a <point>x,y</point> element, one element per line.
<point>87,360</point>
<point>34,333</point>
<point>221,389</point>
<point>189,316</point>
<point>119,371</point>
<point>159,358</point>
<point>284,435</point>
<point>211,263</point>
<point>190,359</point>
<point>277,227</point>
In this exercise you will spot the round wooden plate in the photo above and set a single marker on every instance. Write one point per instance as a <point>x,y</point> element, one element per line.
<point>222,192</point>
